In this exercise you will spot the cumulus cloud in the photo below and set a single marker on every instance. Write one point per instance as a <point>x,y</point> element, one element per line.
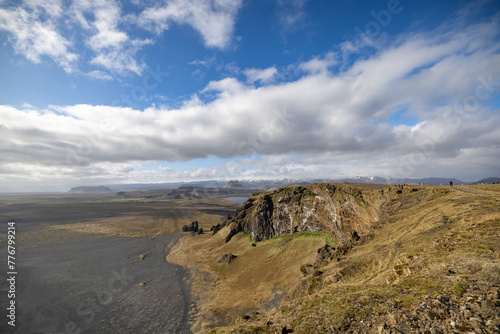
<point>212,19</point>
<point>319,64</point>
<point>264,76</point>
<point>34,33</point>
<point>320,125</point>
<point>113,48</point>
<point>53,29</point>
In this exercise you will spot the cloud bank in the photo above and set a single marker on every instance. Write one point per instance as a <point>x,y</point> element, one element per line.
<point>330,122</point>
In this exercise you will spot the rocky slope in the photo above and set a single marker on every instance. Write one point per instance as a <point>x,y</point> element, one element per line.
<point>428,264</point>
<point>340,211</point>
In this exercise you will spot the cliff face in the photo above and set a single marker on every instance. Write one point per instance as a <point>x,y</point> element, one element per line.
<point>340,210</point>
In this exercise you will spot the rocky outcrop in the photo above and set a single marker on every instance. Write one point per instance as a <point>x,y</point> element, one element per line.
<point>216,228</point>
<point>340,210</point>
<point>193,227</point>
<point>227,258</point>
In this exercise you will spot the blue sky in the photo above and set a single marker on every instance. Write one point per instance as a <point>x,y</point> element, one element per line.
<point>100,92</point>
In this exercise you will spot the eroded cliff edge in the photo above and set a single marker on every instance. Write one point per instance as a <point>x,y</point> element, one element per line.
<point>338,210</point>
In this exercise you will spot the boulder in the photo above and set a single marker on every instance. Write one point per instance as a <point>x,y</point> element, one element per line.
<point>227,258</point>
<point>325,254</point>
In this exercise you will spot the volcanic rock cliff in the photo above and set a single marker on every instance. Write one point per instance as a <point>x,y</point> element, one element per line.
<point>339,210</point>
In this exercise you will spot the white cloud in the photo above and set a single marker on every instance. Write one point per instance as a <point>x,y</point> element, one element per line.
<point>198,62</point>
<point>264,76</point>
<point>51,29</point>
<point>213,19</point>
<point>99,75</point>
<point>291,13</point>
<point>323,124</point>
<point>122,59</point>
<point>52,8</point>
<point>113,48</point>
<point>319,64</point>
<point>34,33</point>
<point>229,69</point>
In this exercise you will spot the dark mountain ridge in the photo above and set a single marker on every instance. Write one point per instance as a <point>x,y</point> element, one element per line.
<point>187,193</point>
<point>91,189</point>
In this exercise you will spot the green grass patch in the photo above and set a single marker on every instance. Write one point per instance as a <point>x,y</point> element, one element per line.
<point>407,300</point>
<point>422,285</point>
<point>244,235</point>
<point>299,235</point>
<point>459,289</point>
<point>289,237</point>
<point>415,252</point>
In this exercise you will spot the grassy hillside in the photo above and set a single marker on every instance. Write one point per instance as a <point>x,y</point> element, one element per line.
<point>431,262</point>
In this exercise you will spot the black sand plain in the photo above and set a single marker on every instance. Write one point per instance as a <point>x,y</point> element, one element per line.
<point>73,282</point>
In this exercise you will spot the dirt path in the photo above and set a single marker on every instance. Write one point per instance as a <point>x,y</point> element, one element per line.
<point>476,190</point>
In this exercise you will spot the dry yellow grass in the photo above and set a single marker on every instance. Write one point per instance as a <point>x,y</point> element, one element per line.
<point>256,279</point>
<point>423,234</point>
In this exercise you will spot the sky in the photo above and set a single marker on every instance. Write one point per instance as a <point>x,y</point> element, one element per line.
<point>107,92</point>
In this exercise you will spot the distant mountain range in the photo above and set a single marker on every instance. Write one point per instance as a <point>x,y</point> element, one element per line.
<point>488,180</point>
<point>96,189</point>
<point>187,193</point>
<point>273,184</point>
<point>233,184</point>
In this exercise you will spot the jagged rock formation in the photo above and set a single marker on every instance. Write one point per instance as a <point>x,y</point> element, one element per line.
<point>339,210</point>
<point>193,227</point>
